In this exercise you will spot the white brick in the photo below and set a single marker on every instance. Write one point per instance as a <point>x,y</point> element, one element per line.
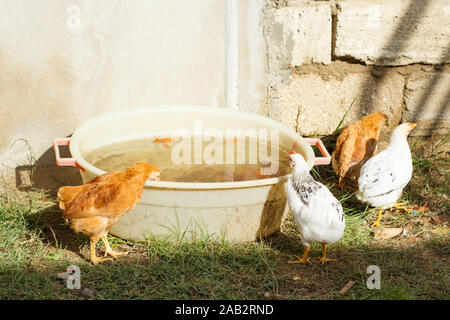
<point>320,103</point>
<point>427,102</point>
<point>387,32</point>
<point>302,34</point>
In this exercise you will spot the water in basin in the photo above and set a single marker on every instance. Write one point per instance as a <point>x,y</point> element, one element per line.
<point>196,166</point>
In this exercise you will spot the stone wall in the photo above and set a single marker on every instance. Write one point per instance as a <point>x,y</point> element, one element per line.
<point>386,55</point>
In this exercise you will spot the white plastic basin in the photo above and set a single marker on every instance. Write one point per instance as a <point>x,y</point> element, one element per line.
<point>235,211</point>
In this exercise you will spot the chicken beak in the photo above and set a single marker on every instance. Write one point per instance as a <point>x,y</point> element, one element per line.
<point>154,177</point>
<point>289,154</point>
<point>412,126</point>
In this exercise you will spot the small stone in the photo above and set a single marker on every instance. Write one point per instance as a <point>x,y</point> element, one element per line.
<point>88,293</point>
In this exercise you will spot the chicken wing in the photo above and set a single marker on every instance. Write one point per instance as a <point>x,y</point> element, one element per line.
<point>355,145</point>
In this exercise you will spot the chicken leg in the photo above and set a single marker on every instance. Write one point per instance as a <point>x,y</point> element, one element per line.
<point>108,249</point>
<point>377,223</point>
<point>94,259</point>
<point>398,206</point>
<point>305,258</point>
<point>324,258</point>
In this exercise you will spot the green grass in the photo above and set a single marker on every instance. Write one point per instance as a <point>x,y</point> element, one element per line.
<point>35,245</point>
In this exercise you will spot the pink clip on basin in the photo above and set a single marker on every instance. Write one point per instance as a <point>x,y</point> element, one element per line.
<point>233,210</point>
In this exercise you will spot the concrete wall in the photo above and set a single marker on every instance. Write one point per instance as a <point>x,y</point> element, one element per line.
<point>65,61</point>
<point>300,62</point>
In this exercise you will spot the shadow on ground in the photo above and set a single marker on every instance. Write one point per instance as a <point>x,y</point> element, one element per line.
<point>45,175</point>
<point>210,271</point>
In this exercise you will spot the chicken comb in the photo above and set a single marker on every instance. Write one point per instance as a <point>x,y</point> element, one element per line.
<point>293,148</point>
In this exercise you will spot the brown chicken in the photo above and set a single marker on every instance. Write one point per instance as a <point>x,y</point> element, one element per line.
<point>355,145</point>
<point>93,208</point>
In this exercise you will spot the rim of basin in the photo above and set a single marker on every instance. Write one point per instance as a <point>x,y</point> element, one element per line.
<point>270,123</point>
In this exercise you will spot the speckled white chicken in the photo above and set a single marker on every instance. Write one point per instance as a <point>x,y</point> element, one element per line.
<point>318,213</point>
<point>383,177</point>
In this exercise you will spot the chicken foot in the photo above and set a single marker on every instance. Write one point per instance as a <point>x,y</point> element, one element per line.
<point>324,258</point>
<point>108,249</point>
<point>305,258</point>
<point>94,259</point>
<point>398,206</point>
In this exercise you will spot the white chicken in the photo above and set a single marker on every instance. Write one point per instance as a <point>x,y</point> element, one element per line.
<point>384,176</point>
<point>318,213</point>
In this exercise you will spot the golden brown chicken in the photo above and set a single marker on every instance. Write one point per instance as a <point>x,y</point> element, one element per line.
<point>93,208</point>
<point>355,145</point>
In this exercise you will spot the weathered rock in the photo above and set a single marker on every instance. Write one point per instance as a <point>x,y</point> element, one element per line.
<point>319,103</point>
<point>427,102</point>
<point>383,32</point>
